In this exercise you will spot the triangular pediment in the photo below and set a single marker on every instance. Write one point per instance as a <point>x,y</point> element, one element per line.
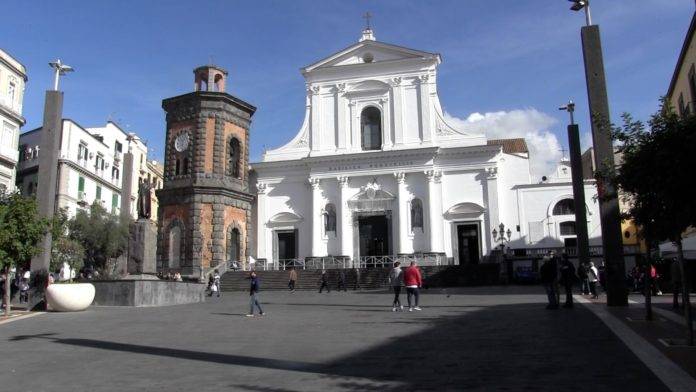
<point>370,52</point>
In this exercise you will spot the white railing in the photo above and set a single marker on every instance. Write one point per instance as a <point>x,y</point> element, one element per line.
<point>331,262</point>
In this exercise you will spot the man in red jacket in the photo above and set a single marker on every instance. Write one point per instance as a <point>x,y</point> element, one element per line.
<point>413,282</point>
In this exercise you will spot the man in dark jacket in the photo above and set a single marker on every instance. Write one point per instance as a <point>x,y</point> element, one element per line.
<point>549,278</point>
<point>253,291</point>
<point>324,282</point>
<point>567,280</point>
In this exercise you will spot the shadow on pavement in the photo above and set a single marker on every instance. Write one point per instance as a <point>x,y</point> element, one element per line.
<point>502,347</point>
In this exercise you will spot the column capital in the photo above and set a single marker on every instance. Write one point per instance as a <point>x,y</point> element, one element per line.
<point>491,173</point>
<point>395,81</point>
<point>261,188</point>
<point>423,79</point>
<point>343,181</point>
<point>340,87</point>
<point>315,183</point>
<point>400,177</point>
<point>433,175</point>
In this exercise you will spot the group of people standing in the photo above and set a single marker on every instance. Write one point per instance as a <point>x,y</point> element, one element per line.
<point>554,273</point>
<point>412,279</point>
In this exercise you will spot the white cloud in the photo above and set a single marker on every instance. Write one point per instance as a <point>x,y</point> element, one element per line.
<point>530,124</point>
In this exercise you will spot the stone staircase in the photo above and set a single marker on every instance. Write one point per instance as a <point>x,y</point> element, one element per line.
<point>370,278</point>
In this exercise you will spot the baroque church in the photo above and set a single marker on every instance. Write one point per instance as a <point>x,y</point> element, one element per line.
<point>376,172</point>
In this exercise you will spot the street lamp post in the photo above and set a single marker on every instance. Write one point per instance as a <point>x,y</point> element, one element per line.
<point>578,187</point>
<point>612,242</point>
<point>503,236</point>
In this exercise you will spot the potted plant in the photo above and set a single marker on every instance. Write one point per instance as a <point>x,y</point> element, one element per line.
<point>66,296</point>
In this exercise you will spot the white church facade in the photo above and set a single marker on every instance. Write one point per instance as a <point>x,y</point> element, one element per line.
<point>375,171</point>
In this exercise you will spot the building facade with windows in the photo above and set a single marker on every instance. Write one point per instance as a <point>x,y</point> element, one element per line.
<point>90,167</point>
<point>681,93</point>
<point>13,79</point>
<point>375,171</point>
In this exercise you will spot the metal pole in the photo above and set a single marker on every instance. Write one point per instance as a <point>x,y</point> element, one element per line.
<point>612,242</point>
<point>578,194</point>
<point>588,17</point>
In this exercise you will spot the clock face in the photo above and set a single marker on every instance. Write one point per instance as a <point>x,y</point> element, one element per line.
<point>182,141</point>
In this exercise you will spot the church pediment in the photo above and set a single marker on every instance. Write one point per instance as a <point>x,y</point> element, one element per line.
<point>285,217</point>
<point>370,52</point>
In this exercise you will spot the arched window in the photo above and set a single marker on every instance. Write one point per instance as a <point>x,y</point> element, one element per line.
<point>567,228</point>
<point>218,83</point>
<point>371,123</point>
<point>233,245</point>
<point>177,169</point>
<point>330,218</point>
<point>186,166</point>
<point>416,214</point>
<point>564,207</point>
<point>233,158</point>
<point>175,246</point>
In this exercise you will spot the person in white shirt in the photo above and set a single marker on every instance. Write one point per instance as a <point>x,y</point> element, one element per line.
<point>593,277</point>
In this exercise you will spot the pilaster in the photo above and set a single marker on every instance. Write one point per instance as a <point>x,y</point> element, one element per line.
<point>424,91</point>
<point>405,245</point>
<point>435,210</point>
<point>344,218</point>
<point>397,110</point>
<point>316,217</point>
<point>261,198</point>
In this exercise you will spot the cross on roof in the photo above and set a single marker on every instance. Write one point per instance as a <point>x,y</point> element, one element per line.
<point>563,152</point>
<point>367,17</point>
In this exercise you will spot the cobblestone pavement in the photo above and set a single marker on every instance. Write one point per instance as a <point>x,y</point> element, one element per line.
<point>493,339</point>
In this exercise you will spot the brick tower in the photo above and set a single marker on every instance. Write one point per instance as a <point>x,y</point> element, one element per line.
<point>204,206</point>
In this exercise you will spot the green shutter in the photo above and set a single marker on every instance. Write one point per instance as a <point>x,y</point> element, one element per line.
<point>81,184</point>
<point>98,192</point>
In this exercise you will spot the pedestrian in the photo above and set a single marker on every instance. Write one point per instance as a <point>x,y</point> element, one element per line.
<point>567,280</point>
<point>396,280</point>
<point>216,282</point>
<point>292,279</point>
<point>676,284</point>
<point>356,274</point>
<point>554,264</point>
<point>548,276</point>
<point>253,295</point>
<point>211,285</point>
<point>341,280</point>
<point>593,277</point>
<point>584,281</point>
<point>324,282</point>
<point>655,280</point>
<point>413,282</point>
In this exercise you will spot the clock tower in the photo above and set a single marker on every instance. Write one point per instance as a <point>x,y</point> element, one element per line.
<point>204,205</point>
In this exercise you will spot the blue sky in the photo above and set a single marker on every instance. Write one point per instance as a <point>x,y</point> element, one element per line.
<point>513,62</point>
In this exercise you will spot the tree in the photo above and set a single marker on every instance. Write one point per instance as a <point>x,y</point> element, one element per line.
<point>67,251</point>
<point>21,230</point>
<point>102,235</point>
<point>656,175</point>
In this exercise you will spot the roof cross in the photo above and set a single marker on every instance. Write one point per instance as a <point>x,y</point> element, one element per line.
<point>367,17</point>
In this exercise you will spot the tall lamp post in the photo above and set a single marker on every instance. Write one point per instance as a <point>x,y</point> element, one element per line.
<point>503,236</point>
<point>578,186</point>
<point>612,243</point>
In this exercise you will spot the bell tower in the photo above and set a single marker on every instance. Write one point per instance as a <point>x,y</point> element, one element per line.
<point>204,204</point>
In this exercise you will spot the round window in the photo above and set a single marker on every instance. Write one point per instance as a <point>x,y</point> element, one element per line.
<point>368,57</point>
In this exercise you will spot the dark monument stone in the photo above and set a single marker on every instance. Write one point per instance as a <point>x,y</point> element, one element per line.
<point>142,248</point>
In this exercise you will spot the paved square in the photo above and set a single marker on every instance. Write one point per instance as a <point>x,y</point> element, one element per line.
<point>472,339</point>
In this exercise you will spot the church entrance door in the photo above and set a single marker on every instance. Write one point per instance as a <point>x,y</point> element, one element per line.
<point>286,246</point>
<point>468,243</point>
<point>374,235</point>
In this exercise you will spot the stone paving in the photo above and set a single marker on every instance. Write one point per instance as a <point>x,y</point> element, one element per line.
<point>493,339</point>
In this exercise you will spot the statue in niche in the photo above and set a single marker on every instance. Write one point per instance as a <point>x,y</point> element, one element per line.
<point>144,200</point>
